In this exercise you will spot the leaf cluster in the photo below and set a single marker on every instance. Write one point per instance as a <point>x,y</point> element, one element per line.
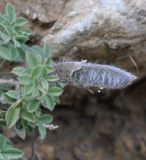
<point>13,35</point>
<point>38,85</point>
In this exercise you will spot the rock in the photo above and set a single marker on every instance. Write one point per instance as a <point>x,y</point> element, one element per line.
<point>45,11</point>
<point>105,30</point>
<point>41,13</point>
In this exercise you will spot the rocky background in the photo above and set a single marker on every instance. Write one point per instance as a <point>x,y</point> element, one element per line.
<point>110,125</point>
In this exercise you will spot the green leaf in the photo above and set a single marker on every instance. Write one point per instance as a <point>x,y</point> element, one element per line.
<point>44,85</point>
<point>48,102</point>
<point>20,21</point>
<point>47,50</point>
<point>1,157</point>
<point>33,106</point>
<point>12,153</point>
<point>49,69</point>
<point>52,78</point>
<point>29,89</point>
<point>5,53</point>
<point>25,31</point>
<point>16,55</point>
<point>37,72</point>
<point>33,60</point>
<point>28,70</point>
<point>12,94</point>
<point>41,71</point>
<point>12,115</point>
<point>45,119</point>
<point>55,91</point>
<point>5,37</point>
<point>7,99</point>
<point>16,43</point>
<point>25,79</point>
<point>10,54</point>
<point>21,39</point>
<point>37,50</point>
<point>43,52</point>
<point>10,12</point>
<point>28,116</point>
<point>18,71</point>
<point>4,142</point>
<point>9,30</point>
<point>42,131</point>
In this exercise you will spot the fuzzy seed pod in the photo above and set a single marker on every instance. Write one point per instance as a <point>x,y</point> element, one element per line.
<point>88,75</point>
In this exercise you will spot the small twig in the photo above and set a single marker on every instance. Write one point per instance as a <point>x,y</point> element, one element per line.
<point>35,140</point>
<point>51,126</point>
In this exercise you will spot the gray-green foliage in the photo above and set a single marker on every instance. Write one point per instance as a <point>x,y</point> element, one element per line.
<point>37,85</point>
<point>7,151</point>
<point>12,35</point>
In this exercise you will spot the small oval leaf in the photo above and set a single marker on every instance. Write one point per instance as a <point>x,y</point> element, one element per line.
<point>33,106</point>
<point>12,115</point>
<point>12,153</point>
<point>55,91</point>
<point>45,119</point>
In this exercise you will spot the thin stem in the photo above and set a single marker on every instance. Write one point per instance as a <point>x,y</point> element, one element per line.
<point>35,155</point>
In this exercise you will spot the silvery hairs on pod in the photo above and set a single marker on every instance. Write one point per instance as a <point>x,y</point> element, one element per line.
<point>88,75</point>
